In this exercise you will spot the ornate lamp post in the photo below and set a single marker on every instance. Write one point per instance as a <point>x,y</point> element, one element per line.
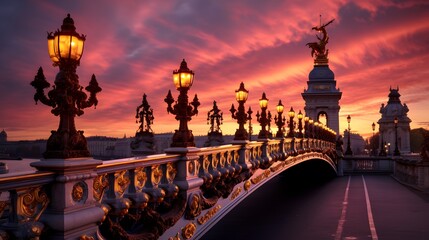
<point>300,117</point>
<point>311,126</point>
<point>280,122</point>
<point>144,138</point>
<point>349,150</point>
<point>214,118</point>
<point>306,130</point>
<point>183,79</point>
<point>396,152</point>
<point>263,119</point>
<point>67,99</point>
<point>291,123</point>
<point>241,96</point>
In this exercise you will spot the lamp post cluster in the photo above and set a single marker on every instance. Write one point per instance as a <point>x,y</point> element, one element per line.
<point>67,99</point>
<point>304,128</point>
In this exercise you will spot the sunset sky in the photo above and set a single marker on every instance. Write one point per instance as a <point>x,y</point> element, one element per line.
<point>133,46</point>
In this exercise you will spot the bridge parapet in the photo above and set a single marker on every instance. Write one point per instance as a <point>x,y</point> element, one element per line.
<point>178,194</point>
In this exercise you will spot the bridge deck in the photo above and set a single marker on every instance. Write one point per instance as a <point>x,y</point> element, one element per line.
<point>284,210</point>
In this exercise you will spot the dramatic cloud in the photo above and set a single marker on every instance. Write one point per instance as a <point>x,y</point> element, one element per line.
<point>132,47</point>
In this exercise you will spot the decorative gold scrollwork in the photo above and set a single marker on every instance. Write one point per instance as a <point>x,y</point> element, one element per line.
<point>222,160</point>
<point>261,176</point>
<point>171,172</point>
<point>156,175</point>
<point>189,230</point>
<point>228,158</point>
<point>235,193</point>
<point>215,160</point>
<point>246,185</point>
<point>78,192</point>
<point>276,168</point>
<point>86,237</point>
<point>32,203</point>
<point>100,184</point>
<point>206,163</point>
<point>177,237</point>
<point>209,214</point>
<point>140,178</point>
<point>121,183</point>
<point>191,167</point>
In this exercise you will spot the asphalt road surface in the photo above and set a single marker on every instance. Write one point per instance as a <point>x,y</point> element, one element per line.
<point>349,207</point>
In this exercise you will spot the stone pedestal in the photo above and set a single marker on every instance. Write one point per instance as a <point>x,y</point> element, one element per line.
<point>72,212</point>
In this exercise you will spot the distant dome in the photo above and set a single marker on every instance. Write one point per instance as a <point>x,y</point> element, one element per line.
<point>394,108</point>
<point>3,133</point>
<point>321,73</point>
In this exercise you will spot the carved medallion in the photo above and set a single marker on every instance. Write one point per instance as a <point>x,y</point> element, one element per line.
<point>79,192</point>
<point>247,185</point>
<point>189,230</point>
<point>194,206</point>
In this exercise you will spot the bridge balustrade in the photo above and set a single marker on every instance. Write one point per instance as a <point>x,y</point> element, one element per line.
<point>178,194</point>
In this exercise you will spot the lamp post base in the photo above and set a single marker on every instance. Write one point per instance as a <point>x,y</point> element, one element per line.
<point>61,145</point>
<point>183,138</point>
<point>241,134</point>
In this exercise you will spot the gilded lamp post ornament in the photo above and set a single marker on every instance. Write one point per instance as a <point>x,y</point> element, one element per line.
<point>318,49</point>
<point>214,118</point>
<point>183,79</point>
<point>144,139</point>
<point>241,96</point>
<point>279,120</point>
<point>264,119</point>
<point>67,97</point>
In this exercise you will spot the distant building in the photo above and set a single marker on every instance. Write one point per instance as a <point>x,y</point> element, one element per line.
<point>394,108</point>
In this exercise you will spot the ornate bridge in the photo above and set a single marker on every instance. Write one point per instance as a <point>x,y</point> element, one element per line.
<point>178,195</point>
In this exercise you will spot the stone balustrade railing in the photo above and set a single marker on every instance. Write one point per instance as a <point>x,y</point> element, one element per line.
<point>141,197</point>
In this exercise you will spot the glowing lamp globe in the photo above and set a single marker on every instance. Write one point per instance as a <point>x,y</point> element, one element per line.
<point>306,119</point>
<point>241,94</point>
<point>263,102</point>
<point>280,107</point>
<point>300,115</point>
<point>291,113</point>
<point>67,44</point>
<point>184,77</point>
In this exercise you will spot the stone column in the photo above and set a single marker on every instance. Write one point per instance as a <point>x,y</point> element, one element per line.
<point>73,212</point>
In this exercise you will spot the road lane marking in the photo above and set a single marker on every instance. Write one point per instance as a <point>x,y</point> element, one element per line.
<point>342,220</point>
<point>369,211</point>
